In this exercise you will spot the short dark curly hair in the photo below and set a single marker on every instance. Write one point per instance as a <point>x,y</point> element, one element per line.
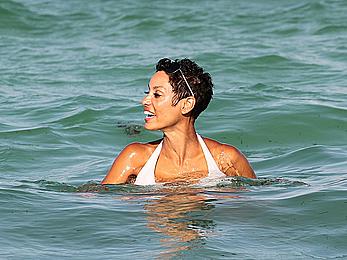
<point>199,81</point>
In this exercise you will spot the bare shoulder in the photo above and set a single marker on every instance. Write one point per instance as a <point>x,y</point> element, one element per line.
<point>138,149</point>
<point>138,153</point>
<point>229,159</point>
<point>216,148</point>
<point>129,162</point>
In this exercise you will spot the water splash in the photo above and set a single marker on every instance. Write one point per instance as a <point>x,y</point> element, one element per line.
<point>216,184</point>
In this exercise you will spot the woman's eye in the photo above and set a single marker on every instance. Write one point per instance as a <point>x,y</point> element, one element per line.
<point>156,95</point>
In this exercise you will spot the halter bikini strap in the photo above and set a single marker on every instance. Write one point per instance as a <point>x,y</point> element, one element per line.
<point>146,175</point>
<point>213,169</point>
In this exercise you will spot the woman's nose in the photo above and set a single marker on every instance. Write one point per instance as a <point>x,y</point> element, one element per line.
<point>146,100</point>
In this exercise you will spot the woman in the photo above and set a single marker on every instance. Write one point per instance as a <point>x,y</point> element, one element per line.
<point>177,93</point>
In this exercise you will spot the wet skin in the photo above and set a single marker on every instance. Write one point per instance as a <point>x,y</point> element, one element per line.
<point>181,157</point>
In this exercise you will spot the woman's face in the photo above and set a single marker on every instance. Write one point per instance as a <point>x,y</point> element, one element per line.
<point>157,104</point>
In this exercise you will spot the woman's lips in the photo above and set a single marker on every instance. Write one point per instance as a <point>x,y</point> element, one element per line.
<point>149,115</point>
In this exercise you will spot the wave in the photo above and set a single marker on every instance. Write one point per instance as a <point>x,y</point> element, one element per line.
<point>19,17</point>
<point>78,117</point>
<point>218,184</point>
<point>303,8</point>
<point>30,131</point>
<point>56,110</point>
<point>271,119</point>
<point>14,14</point>
<point>274,63</point>
<point>266,59</point>
<point>331,29</point>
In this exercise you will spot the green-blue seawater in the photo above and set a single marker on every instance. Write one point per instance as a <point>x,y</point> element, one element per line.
<point>72,74</point>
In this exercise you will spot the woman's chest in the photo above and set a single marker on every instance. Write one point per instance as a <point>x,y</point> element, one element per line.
<point>189,170</point>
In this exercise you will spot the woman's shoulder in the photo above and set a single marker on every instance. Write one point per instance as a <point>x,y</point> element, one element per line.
<point>217,148</point>
<point>129,162</point>
<point>229,159</point>
<point>140,149</point>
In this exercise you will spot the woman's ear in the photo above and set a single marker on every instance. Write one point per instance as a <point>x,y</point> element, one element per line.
<point>187,105</point>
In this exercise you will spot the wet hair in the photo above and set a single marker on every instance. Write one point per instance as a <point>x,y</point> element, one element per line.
<point>199,81</point>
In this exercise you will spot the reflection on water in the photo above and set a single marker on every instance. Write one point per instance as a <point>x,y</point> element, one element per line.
<point>174,215</point>
<point>184,217</point>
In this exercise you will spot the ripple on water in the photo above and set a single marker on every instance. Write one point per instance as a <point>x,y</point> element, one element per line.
<point>216,184</point>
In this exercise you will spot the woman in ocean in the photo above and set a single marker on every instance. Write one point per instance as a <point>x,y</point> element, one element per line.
<point>177,93</point>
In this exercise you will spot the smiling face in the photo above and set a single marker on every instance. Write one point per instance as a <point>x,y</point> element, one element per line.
<point>157,104</point>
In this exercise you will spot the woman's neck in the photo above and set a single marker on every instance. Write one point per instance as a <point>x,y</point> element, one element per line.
<point>180,144</point>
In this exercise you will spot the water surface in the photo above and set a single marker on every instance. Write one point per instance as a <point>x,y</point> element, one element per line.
<point>71,77</point>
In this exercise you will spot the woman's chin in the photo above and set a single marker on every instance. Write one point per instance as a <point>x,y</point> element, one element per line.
<point>150,127</point>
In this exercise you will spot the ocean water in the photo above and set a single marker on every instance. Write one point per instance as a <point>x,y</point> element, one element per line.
<point>72,74</point>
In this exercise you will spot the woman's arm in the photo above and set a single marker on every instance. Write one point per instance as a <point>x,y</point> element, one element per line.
<point>126,164</point>
<point>234,163</point>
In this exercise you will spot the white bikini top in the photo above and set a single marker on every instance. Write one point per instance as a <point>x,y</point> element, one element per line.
<point>146,175</point>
